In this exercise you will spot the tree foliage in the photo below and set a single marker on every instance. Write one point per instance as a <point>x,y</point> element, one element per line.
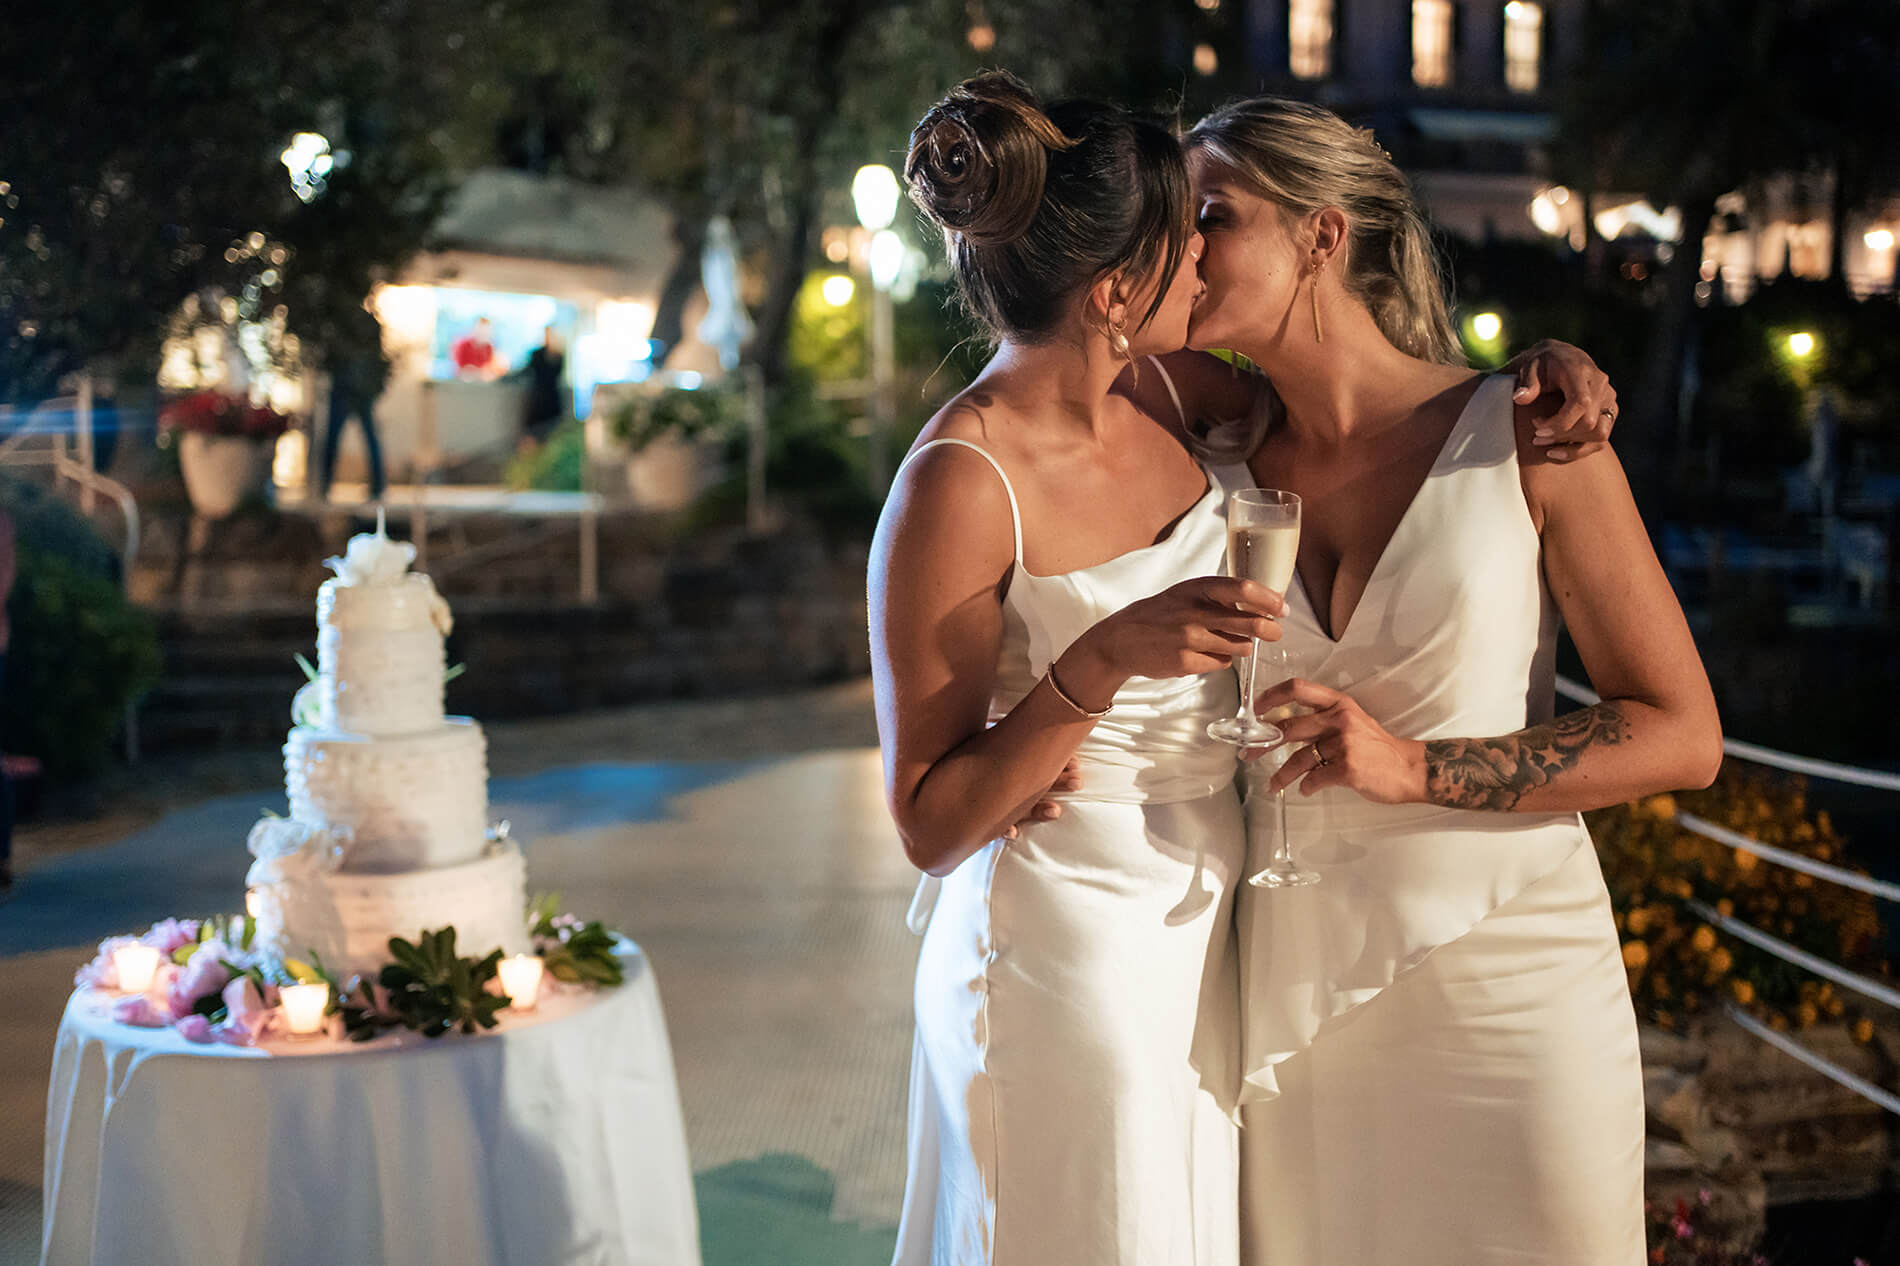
<point>140,163</point>
<point>139,146</point>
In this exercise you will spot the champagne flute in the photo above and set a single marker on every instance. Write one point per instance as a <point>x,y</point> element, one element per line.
<point>1282,870</point>
<point>1263,542</point>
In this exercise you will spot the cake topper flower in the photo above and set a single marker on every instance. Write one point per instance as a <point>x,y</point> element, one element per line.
<point>373,559</point>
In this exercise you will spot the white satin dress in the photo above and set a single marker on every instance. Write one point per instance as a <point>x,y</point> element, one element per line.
<point>1076,1056</point>
<point>1440,1049</point>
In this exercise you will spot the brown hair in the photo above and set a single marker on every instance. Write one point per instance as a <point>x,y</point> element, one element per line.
<point>1036,204</point>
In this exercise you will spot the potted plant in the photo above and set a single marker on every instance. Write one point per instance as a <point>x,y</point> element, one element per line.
<point>675,439</point>
<point>225,446</point>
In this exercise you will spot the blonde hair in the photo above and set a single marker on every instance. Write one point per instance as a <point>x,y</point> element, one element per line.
<point>1304,159</point>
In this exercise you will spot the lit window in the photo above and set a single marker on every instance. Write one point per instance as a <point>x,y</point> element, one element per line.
<point>1431,43</point>
<point>1523,45</point>
<point>1310,38</point>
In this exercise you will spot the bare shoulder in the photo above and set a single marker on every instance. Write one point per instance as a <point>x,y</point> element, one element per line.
<point>948,502</point>
<point>1552,486</point>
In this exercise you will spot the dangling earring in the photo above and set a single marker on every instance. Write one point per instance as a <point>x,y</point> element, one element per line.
<point>1319,266</point>
<point>1118,339</point>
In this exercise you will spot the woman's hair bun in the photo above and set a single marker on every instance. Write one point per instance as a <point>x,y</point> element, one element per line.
<point>979,157</point>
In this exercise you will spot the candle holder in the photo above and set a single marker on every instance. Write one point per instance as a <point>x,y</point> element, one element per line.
<point>521,980</point>
<point>135,964</point>
<point>303,1007</point>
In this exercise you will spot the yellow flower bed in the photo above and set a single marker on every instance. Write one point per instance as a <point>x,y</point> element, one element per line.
<point>1678,965</point>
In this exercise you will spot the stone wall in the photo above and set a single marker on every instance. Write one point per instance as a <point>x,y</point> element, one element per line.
<point>1733,1116</point>
<point>715,612</point>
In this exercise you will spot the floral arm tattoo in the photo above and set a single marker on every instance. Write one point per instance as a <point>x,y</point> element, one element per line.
<point>1496,773</point>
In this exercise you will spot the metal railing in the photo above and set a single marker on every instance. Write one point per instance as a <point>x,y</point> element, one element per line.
<point>1866,987</point>
<point>56,421</point>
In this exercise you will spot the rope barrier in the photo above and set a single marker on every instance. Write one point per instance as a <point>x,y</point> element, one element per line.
<point>1820,1064</point>
<point>1854,774</point>
<point>1862,985</point>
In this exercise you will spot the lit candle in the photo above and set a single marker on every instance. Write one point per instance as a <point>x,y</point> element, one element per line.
<point>135,963</point>
<point>303,1007</point>
<point>253,902</point>
<point>521,980</point>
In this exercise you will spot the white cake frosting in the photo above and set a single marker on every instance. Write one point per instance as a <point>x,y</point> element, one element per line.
<point>410,801</point>
<point>345,920</point>
<point>380,627</point>
<point>388,828</point>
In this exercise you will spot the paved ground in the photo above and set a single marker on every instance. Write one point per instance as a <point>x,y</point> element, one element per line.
<point>743,843</point>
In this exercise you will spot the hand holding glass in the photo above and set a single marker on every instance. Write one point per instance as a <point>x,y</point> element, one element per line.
<point>1282,870</point>
<point>1263,542</point>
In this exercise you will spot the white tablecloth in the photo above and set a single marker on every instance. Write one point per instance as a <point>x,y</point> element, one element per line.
<point>555,1139</point>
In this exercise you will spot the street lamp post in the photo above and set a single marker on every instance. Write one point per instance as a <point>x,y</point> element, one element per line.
<point>875,193</point>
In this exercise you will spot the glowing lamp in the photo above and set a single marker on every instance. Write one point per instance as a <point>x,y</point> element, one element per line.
<point>887,259</point>
<point>838,290</point>
<point>874,192</point>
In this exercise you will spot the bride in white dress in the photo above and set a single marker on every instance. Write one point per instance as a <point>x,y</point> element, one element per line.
<point>1077,1029</point>
<point>1439,1048</point>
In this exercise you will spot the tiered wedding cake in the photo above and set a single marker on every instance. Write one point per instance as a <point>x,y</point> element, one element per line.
<point>388,831</point>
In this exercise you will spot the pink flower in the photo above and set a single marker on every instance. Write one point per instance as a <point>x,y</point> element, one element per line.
<point>138,1010</point>
<point>1683,1230</point>
<point>172,935</point>
<point>246,1007</point>
<point>162,979</point>
<point>102,972</point>
<point>202,975</point>
<point>1705,1195</point>
<point>194,1028</point>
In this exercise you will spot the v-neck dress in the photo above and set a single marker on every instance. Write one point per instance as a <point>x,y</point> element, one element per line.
<point>1076,1054</point>
<point>1440,1052</point>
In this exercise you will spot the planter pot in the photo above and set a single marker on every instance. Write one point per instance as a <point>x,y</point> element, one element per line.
<point>669,472</point>
<point>222,471</point>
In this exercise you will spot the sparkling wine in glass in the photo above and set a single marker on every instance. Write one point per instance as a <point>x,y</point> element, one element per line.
<point>1263,542</point>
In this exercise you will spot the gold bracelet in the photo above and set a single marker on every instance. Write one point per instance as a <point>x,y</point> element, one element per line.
<point>1069,699</point>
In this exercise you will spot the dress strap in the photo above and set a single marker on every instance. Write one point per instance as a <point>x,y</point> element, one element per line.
<point>1015,514</point>
<point>1172,393</point>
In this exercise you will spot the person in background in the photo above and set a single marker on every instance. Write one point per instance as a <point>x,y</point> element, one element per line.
<point>546,399</point>
<point>474,352</point>
<point>6,789</point>
<point>358,369</point>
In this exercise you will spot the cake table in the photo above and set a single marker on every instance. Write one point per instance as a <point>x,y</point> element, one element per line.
<point>554,1139</point>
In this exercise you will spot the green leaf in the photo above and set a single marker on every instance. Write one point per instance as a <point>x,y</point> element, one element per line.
<point>183,953</point>
<point>304,974</point>
<point>310,674</point>
<point>453,672</point>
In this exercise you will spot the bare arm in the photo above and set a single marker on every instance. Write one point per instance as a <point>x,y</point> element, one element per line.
<point>942,554</point>
<point>1657,727</point>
